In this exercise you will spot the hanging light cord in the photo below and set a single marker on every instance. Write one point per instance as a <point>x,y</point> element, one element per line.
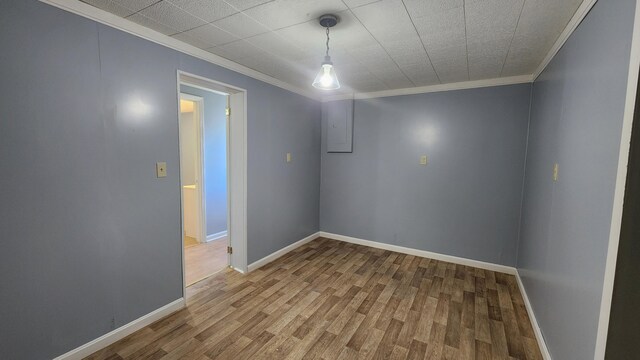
<point>327,41</point>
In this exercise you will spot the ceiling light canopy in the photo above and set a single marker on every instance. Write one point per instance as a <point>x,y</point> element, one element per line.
<point>327,78</point>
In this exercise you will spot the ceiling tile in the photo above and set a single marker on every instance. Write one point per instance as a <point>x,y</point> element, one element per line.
<point>420,8</point>
<point>421,74</point>
<point>540,24</point>
<point>486,58</point>
<point>111,6</point>
<point>308,36</point>
<point>387,20</point>
<point>192,40</point>
<point>241,25</point>
<point>241,5</point>
<point>210,35</point>
<point>282,13</point>
<point>491,25</point>
<point>446,28</point>
<point>237,50</point>
<point>378,44</point>
<point>136,5</point>
<point>152,24</point>
<point>490,19</point>
<point>356,3</point>
<point>169,15</point>
<point>207,10</point>
<point>276,44</point>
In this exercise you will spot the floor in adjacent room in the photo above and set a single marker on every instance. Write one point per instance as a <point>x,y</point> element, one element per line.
<point>202,260</point>
<point>335,300</point>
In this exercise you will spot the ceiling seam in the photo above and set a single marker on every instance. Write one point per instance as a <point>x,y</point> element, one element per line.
<point>382,46</point>
<point>144,8</point>
<point>466,37</point>
<point>421,41</point>
<point>512,38</point>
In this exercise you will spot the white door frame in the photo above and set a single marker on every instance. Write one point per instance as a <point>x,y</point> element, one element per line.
<point>198,117</point>
<point>236,167</point>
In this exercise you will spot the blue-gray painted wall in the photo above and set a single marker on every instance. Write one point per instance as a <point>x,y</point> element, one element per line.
<point>466,202</point>
<point>576,120</point>
<point>215,158</point>
<point>90,237</point>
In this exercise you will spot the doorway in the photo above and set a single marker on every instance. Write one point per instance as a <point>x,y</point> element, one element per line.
<point>212,132</point>
<point>203,173</point>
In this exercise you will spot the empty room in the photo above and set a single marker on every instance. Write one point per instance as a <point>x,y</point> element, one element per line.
<point>320,179</point>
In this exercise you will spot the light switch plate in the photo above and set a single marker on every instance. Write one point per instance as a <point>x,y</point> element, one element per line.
<point>161,169</point>
<point>288,157</point>
<point>555,171</point>
<point>423,160</point>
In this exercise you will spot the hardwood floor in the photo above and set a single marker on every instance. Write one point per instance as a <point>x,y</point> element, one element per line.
<point>203,260</point>
<point>335,300</point>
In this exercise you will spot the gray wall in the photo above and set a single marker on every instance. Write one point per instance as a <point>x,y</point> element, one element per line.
<point>90,237</point>
<point>576,121</point>
<point>465,202</point>
<point>215,157</point>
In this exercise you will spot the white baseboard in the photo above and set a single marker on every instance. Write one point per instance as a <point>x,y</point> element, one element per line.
<point>216,236</point>
<point>422,253</point>
<point>123,331</point>
<point>269,258</point>
<point>534,322</point>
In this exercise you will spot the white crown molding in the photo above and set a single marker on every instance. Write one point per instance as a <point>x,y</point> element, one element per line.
<point>534,322</point>
<point>104,17</point>
<point>577,18</point>
<point>522,79</point>
<point>122,332</point>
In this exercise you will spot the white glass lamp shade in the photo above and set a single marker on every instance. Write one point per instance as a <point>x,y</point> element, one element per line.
<point>326,78</point>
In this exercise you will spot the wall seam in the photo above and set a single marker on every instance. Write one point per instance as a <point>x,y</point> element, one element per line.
<point>524,176</point>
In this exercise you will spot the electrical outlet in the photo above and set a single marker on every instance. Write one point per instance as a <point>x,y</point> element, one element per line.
<point>161,169</point>
<point>423,160</point>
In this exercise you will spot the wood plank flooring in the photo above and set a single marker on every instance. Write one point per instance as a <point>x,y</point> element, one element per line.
<point>335,300</point>
<point>204,259</point>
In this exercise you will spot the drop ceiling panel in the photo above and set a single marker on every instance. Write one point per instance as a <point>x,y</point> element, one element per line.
<point>210,35</point>
<point>540,24</point>
<point>135,5</point>
<point>241,5</point>
<point>274,43</point>
<point>206,10</point>
<point>170,15</point>
<point>111,6</point>
<point>491,25</point>
<point>377,45</point>
<point>241,25</point>
<point>282,13</point>
<point>152,24</point>
<point>237,50</point>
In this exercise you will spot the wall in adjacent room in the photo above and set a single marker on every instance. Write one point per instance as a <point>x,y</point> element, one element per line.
<point>90,237</point>
<point>188,148</point>
<point>576,121</point>
<point>215,157</point>
<point>465,202</point>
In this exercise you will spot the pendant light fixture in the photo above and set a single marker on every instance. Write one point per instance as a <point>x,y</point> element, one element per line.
<point>327,78</point>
